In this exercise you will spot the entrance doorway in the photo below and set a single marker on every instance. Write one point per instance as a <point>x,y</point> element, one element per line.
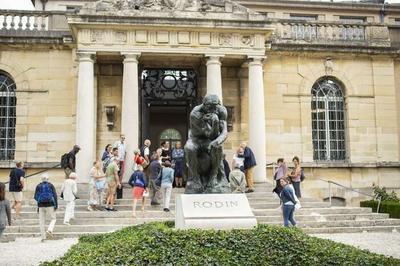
<point>168,96</point>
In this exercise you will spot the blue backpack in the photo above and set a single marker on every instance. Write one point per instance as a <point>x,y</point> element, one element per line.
<point>45,193</point>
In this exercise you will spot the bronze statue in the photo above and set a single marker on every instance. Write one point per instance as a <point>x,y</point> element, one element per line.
<point>203,150</point>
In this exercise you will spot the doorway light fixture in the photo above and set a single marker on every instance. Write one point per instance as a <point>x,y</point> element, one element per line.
<point>110,114</point>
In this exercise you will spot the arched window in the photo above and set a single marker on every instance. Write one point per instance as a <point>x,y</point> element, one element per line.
<point>172,135</point>
<point>328,125</point>
<point>8,103</point>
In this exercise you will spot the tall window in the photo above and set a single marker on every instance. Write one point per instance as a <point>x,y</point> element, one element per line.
<point>8,102</point>
<point>328,125</point>
<point>172,135</point>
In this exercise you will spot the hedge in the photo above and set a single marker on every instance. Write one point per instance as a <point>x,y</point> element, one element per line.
<point>391,207</point>
<point>160,244</point>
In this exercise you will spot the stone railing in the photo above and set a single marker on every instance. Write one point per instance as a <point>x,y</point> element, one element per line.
<point>330,33</point>
<point>26,21</point>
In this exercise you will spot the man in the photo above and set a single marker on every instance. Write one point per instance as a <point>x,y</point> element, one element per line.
<point>121,155</point>
<point>69,167</point>
<point>16,185</point>
<point>46,197</point>
<point>145,150</point>
<point>249,164</point>
<point>237,180</point>
<point>106,163</point>
<point>113,182</point>
<point>155,169</point>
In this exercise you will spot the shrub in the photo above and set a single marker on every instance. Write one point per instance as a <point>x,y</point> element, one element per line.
<point>391,207</point>
<point>159,244</point>
<point>380,192</point>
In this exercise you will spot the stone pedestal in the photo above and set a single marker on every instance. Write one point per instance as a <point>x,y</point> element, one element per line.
<point>213,211</point>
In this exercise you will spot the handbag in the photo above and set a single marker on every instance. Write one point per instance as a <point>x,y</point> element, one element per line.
<point>100,184</point>
<point>146,194</point>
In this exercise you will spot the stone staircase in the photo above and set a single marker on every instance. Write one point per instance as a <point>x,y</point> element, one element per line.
<point>314,217</point>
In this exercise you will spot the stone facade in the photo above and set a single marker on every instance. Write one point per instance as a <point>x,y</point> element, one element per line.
<point>45,68</point>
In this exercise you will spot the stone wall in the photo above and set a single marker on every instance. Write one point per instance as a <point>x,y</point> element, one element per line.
<point>46,98</point>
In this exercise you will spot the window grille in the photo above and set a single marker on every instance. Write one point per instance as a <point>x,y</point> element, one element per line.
<point>328,125</point>
<point>8,103</point>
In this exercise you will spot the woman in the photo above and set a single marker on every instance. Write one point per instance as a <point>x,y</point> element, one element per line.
<point>281,172</point>
<point>139,187</point>
<point>97,185</point>
<point>295,176</point>
<point>69,190</point>
<point>165,152</point>
<point>288,202</point>
<point>178,159</point>
<point>167,178</point>
<point>5,210</point>
<point>107,153</point>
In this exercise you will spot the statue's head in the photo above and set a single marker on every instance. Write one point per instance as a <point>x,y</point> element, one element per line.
<point>211,102</point>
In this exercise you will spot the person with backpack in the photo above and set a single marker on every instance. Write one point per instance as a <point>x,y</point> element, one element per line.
<point>5,210</point>
<point>139,186</point>
<point>69,190</point>
<point>68,161</point>
<point>46,198</point>
<point>16,185</point>
<point>295,176</point>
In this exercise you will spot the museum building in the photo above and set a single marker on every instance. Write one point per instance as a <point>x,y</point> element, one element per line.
<point>319,80</point>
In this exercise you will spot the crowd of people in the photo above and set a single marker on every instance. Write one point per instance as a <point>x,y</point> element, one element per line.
<point>154,175</point>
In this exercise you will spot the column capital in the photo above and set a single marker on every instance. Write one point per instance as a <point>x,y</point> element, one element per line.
<point>130,57</point>
<point>214,58</point>
<point>86,56</point>
<point>256,59</point>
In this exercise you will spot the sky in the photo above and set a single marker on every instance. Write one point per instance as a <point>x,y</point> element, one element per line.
<point>27,4</point>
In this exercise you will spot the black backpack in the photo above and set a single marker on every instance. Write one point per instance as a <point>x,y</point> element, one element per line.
<point>302,176</point>
<point>65,161</point>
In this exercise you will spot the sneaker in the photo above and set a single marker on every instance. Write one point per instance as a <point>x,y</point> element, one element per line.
<point>166,209</point>
<point>107,209</point>
<point>49,235</point>
<point>113,210</point>
<point>67,223</point>
<point>250,190</point>
<point>89,208</point>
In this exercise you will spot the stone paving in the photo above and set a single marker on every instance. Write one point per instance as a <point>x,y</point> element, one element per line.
<point>383,243</point>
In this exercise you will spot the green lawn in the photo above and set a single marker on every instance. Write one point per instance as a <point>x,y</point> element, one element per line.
<point>161,244</point>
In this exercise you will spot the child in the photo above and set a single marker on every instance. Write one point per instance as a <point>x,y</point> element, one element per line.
<point>138,183</point>
<point>5,209</point>
<point>69,190</point>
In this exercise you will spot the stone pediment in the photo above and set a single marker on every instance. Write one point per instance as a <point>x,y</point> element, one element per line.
<point>134,7</point>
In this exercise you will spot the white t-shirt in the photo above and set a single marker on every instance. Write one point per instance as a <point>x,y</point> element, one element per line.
<point>238,161</point>
<point>121,150</point>
<point>146,151</point>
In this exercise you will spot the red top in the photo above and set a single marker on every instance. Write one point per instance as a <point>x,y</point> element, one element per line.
<point>138,159</point>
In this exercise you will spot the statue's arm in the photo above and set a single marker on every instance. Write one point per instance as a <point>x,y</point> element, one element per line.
<point>196,122</point>
<point>223,125</point>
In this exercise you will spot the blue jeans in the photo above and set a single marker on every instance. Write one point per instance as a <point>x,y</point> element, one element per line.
<point>288,215</point>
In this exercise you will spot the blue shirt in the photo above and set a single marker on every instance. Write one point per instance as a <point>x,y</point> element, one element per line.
<point>138,179</point>
<point>167,177</point>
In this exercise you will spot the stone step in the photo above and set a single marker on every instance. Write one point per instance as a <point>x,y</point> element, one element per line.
<point>61,202</point>
<point>112,227</point>
<point>256,205</point>
<point>160,215</point>
<point>316,211</point>
<point>328,217</point>
<point>359,229</point>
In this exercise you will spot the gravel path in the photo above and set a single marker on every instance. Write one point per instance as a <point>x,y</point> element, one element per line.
<point>30,251</point>
<point>382,243</point>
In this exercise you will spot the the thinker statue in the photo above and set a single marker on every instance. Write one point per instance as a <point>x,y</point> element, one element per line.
<point>204,154</point>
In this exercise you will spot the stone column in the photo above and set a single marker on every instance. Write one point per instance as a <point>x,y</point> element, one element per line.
<point>214,78</point>
<point>257,117</point>
<point>85,115</point>
<point>130,109</point>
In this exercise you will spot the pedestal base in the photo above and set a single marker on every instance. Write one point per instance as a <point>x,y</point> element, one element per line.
<point>213,211</point>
